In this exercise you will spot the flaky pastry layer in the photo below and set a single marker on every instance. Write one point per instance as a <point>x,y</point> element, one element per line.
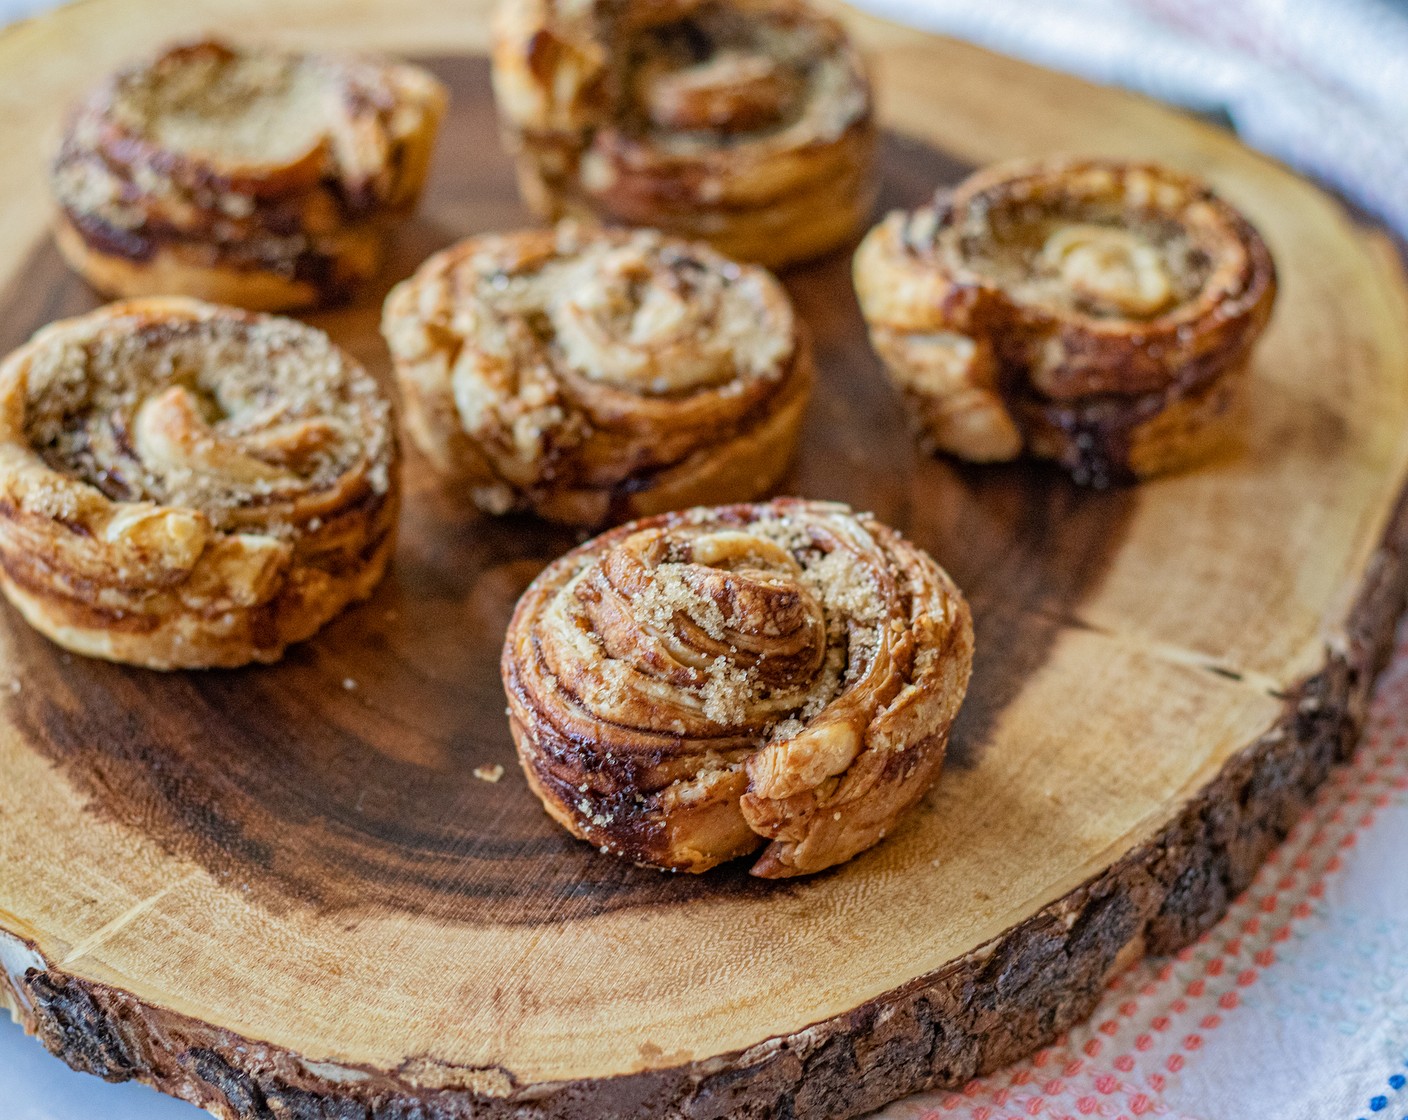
<point>1100,314</point>
<point>254,177</point>
<point>744,123</point>
<point>689,688</point>
<point>590,375</point>
<point>184,485</point>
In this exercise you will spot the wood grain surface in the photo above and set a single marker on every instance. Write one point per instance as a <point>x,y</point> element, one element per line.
<point>282,892</point>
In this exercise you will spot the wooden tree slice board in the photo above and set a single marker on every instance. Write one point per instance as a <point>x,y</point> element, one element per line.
<point>281,892</point>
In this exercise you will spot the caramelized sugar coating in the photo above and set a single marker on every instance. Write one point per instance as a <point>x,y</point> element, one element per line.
<point>686,689</point>
<point>252,177</point>
<point>745,123</point>
<point>1099,314</point>
<point>591,376</point>
<point>184,485</point>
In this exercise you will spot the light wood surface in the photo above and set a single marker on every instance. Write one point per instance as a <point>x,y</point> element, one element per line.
<point>284,886</point>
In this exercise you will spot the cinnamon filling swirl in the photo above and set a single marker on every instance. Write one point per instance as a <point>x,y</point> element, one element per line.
<point>591,376</point>
<point>261,178</point>
<point>746,123</point>
<point>686,689</point>
<point>183,485</point>
<point>1098,314</point>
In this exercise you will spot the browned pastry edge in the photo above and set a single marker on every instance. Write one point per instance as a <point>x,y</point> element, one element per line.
<point>774,232</point>
<point>115,265</point>
<point>307,601</point>
<point>1113,439</point>
<point>1003,1000</point>
<point>1126,398</point>
<point>644,840</point>
<point>271,258</point>
<point>750,461</point>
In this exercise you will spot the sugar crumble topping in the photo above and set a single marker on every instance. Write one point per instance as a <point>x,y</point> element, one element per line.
<point>732,686</point>
<point>215,414</point>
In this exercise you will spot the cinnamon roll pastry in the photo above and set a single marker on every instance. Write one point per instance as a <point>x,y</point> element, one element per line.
<point>1098,314</point>
<point>184,485</point>
<point>745,123</point>
<point>252,177</point>
<point>689,688</point>
<point>594,375</point>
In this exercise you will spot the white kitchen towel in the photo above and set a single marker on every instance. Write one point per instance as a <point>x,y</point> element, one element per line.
<point>11,10</point>
<point>1320,84</point>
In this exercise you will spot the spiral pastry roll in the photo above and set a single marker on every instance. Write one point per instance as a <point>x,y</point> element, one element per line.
<point>184,485</point>
<point>592,376</point>
<point>252,177</point>
<point>1097,314</point>
<point>688,688</point>
<point>745,123</point>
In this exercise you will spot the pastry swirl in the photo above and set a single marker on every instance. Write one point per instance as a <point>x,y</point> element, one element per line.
<point>591,376</point>
<point>687,688</point>
<point>184,485</point>
<point>1098,314</point>
<point>252,177</point>
<point>745,123</point>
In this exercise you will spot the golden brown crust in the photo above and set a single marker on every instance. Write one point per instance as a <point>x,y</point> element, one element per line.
<point>253,177</point>
<point>1100,314</point>
<point>689,687</point>
<point>745,123</point>
<point>185,486</point>
<point>591,376</point>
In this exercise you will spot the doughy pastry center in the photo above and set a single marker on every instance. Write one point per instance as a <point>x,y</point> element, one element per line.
<point>1112,271</point>
<point>654,322</point>
<point>175,441</point>
<point>735,90</point>
<point>720,77</point>
<point>229,108</point>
